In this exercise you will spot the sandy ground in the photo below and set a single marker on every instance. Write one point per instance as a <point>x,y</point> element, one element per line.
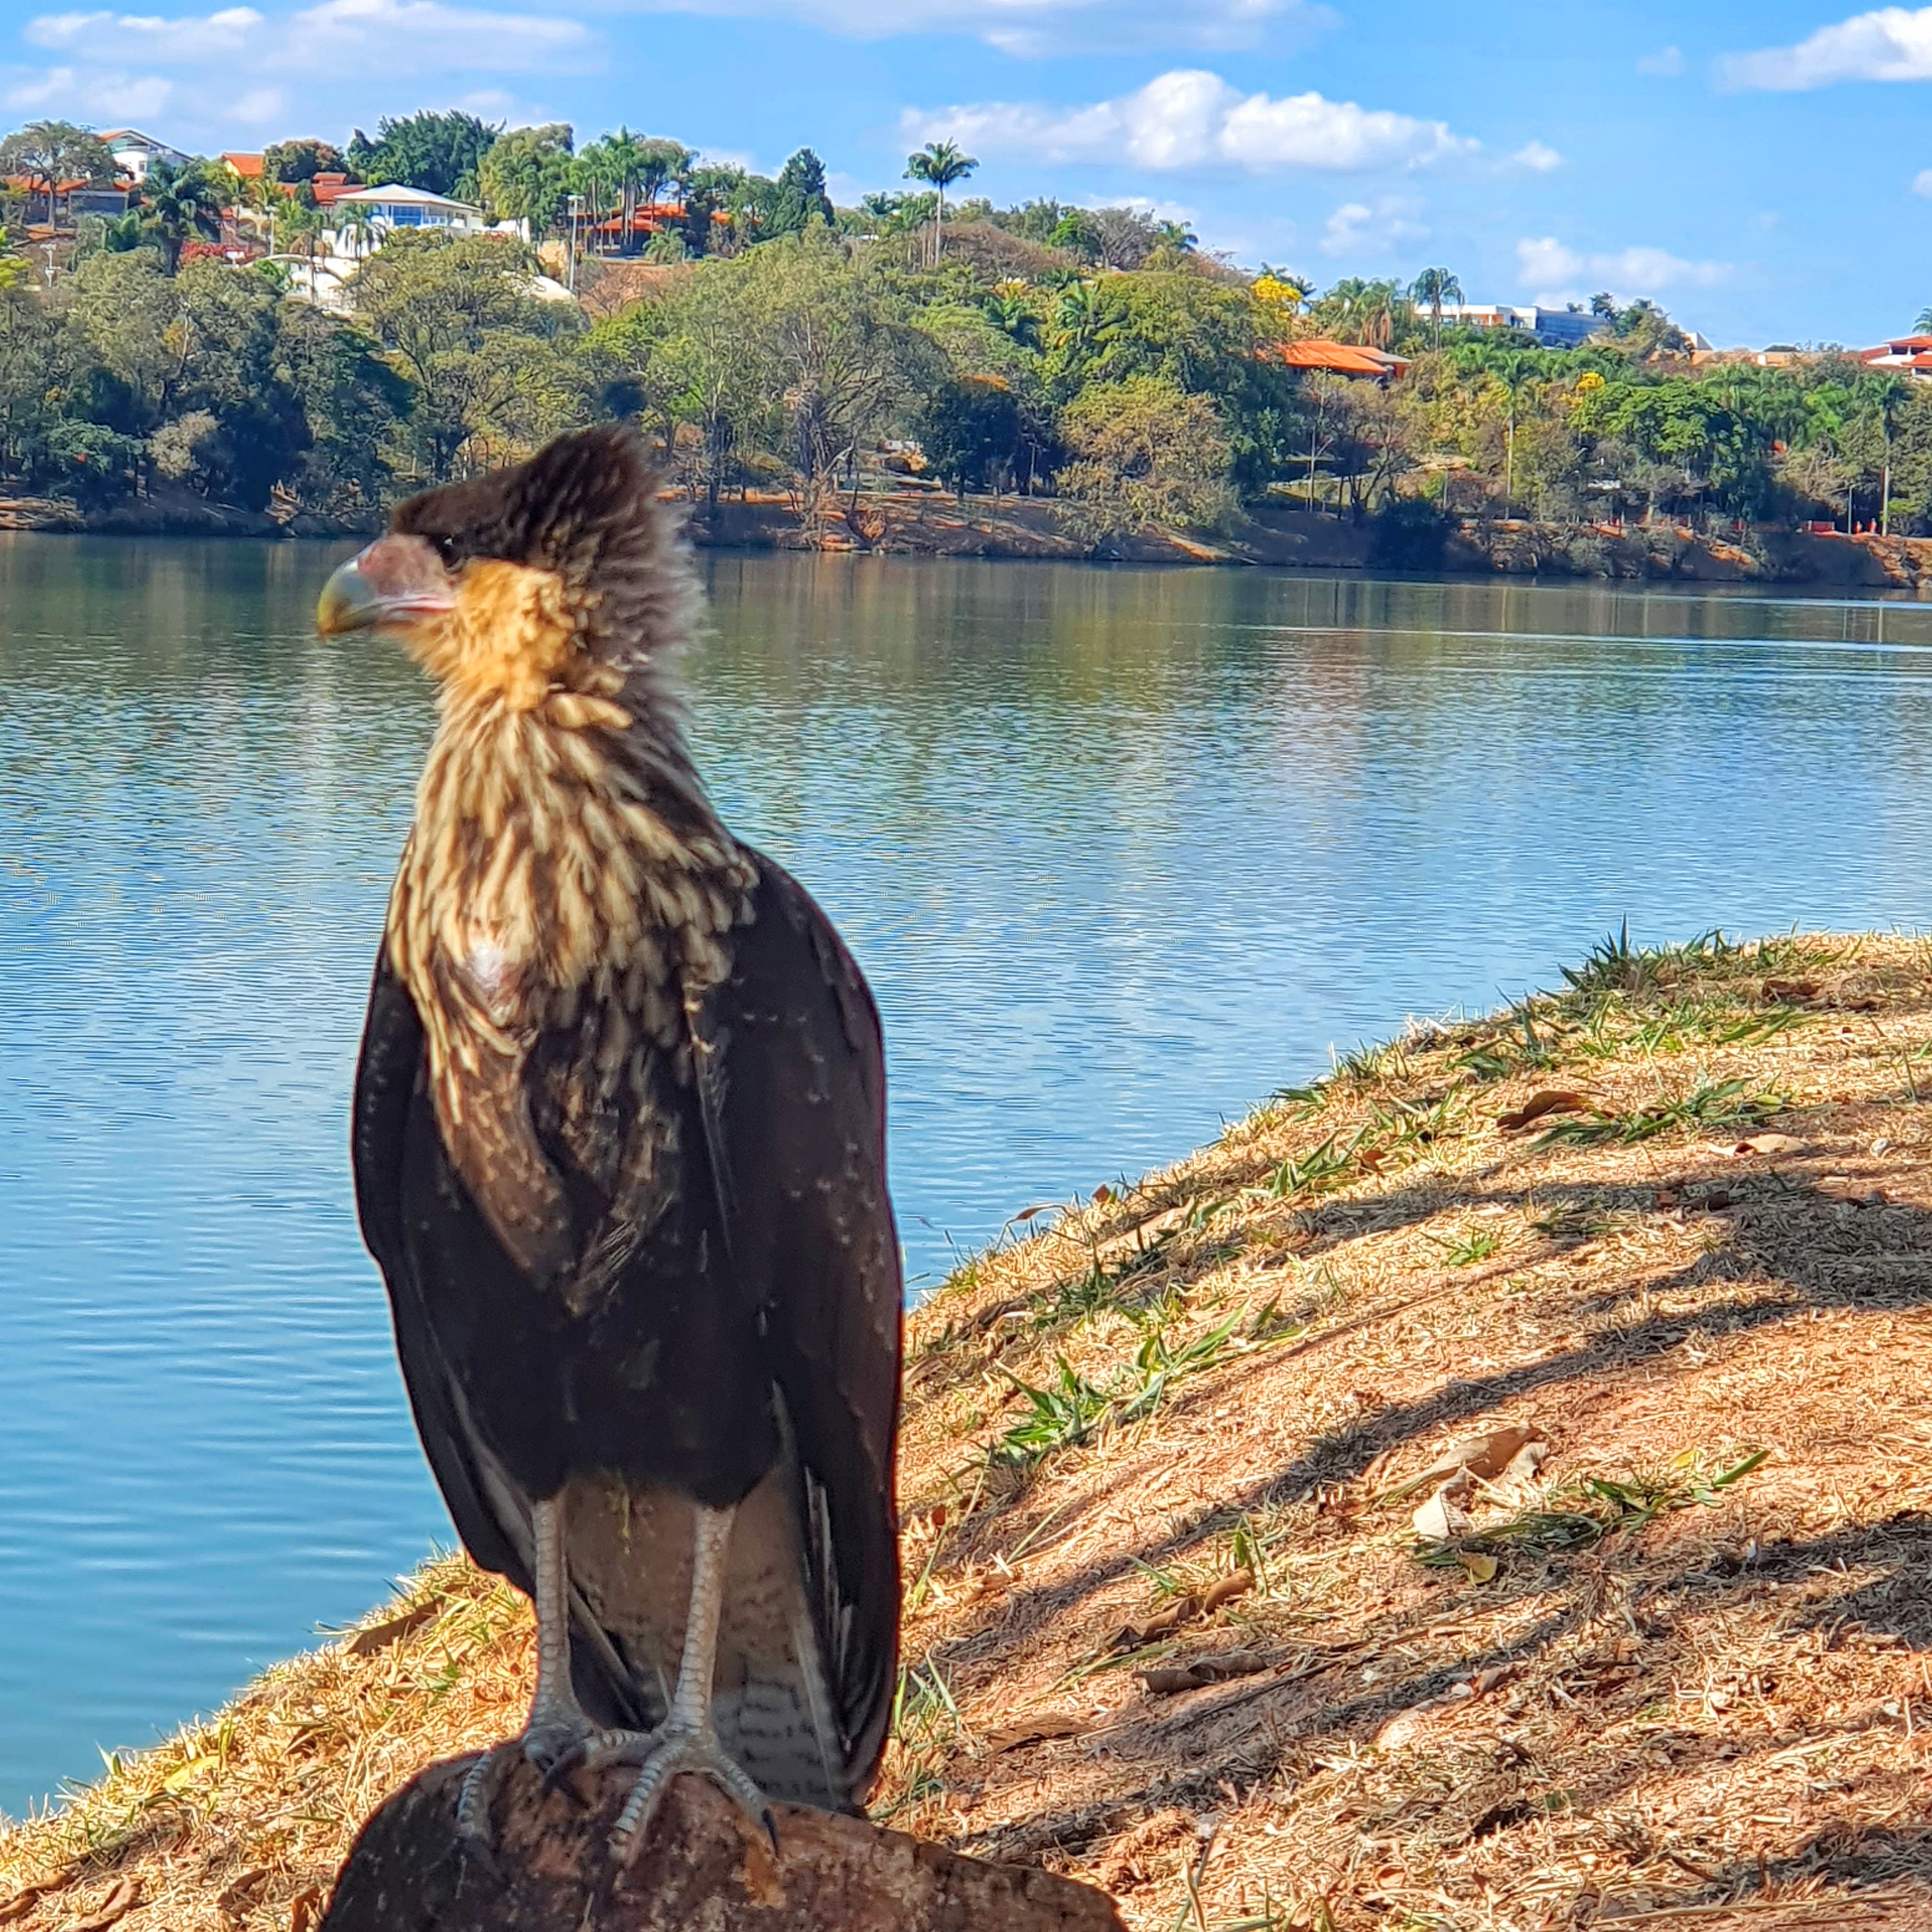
<point>1567,1481</point>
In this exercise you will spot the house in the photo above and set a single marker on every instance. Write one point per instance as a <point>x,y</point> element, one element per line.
<point>1341,359</point>
<point>135,153</point>
<point>1553,328</point>
<point>393,207</point>
<point>243,167</point>
<point>1904,356</point>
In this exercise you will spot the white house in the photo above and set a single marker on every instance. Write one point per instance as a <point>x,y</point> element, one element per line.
<point>365,217</point>
<point>393,207</point>
<point>134,152</point>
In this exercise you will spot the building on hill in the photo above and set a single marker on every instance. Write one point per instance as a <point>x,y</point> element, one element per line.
<point>392,207</point>
<point>1553,328</point>
<point>134,152</point>
<point>1357,362</point>
<point>1904,356</point>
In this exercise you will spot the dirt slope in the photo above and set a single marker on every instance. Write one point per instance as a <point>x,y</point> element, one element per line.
<point>1664,1659</point>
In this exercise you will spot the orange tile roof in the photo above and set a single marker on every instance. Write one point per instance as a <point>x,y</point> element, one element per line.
<point>248,166</point>
<point>1339,358</point>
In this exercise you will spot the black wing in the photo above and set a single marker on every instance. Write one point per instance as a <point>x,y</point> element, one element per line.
<point>794,1082</point>
<point>390,1077</point>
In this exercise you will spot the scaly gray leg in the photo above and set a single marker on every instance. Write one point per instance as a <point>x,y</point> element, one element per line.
<point>556,1730</point>
<point>687,1740</point>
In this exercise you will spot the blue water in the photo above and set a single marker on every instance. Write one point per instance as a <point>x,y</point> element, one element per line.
<point>1121,852</point>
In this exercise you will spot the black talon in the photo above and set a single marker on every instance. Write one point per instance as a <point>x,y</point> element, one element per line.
<point>771,1830</point>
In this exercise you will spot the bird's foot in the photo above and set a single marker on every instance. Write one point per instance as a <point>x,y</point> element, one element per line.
<point>663,1754</point>
<point>553,1746</point>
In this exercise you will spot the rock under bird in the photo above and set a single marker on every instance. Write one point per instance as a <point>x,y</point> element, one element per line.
<point>619,1151</point>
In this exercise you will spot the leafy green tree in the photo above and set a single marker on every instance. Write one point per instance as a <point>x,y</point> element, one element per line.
<point>489,361</point>
<point>355,403</point>
<point>1435,289</point>
<point>293,161</point>
<point>940,162</point>
<point>527,175</point>
<point>438,153</point>
<point>971,431</point>
<point>1146,452</point>
<point>179,204</point>
<point>797,198</point>
<point>49,155</point>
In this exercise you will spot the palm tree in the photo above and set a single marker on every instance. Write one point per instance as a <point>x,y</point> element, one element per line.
<point>628,163</point>
<point>180,204</point>
<point>1437,287</point>
<point>942,163</point>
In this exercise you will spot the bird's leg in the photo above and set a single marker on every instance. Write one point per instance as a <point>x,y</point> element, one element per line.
<point>556,1730</point>
<point>687,1740</point>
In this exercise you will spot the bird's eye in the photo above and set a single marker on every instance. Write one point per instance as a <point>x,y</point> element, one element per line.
<point>446,549</point>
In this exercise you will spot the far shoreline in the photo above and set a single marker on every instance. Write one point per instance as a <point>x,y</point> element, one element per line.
<point>931,523</point>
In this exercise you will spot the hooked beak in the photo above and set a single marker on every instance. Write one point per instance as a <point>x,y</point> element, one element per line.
<point>397,582</point>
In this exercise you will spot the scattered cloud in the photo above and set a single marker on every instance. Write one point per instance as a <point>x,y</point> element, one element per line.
<point>91,96</point>
<point>1189,119</point>
<point>1384,227</point>
<point>1537,156</point>
<point>1893,43</point>
<point>260,106</point>
<point>405,36</point>
<point>1556,271</point>
<point>1921,183</point>
<point>149,37</point>
<point>1666,64</point>
<point>1032,28</point>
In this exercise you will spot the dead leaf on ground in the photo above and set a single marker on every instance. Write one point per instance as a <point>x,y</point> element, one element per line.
<point>1040,1730</point>
<point>122,1897</point>
<point>1218,1668</point>
<point>23,1901</point>
<point>1185,1609</point>
<point>1553,1100</point>
<point>1770,1144</point>
<point>238,1891</point>
<point>1791,991</point>
<point>380,1636</point>
<point>1486,1456</point>
<point>304,1909</point>
<point>1442,1519</point>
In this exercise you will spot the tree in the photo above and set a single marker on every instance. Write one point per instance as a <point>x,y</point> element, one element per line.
<point>1435,288</point>
<point>970,431</point>
<point>50,155</point>
<point>179,203</point>
<point>797,198</point>
<point>489,362</point>
<point>940,162</point>
<point>527,175</point>
<point>293,161</point>
<point>438,153</point>
<point>1145,452</point>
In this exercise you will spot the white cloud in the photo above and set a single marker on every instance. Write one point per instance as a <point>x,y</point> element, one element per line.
<point>1359,228</point>
<point>402,36</point>
<point>1555,271</point>
<point>1893,43</point>
<point>91,96</point>
<point>1537,156</point>
<point>1036,27</point>
<point>1190,118</point>
<point>260,106</point>
<point>1921,183</point>
<point>149,37</point>
<point>425,36</point>
<point>1666,64</point>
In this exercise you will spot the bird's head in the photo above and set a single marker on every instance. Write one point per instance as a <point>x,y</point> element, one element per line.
<point>551,576</point>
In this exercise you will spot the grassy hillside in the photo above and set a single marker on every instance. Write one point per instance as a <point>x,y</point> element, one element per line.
<point>1656,1251</point>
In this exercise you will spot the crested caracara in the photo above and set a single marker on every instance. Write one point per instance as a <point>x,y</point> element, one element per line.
<point>619,1151</point>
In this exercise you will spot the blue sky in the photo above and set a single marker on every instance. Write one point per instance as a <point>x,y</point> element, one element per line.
<point>1765,171</point>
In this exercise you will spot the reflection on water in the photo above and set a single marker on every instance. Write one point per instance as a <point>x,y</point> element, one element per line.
<point>1121,851</point>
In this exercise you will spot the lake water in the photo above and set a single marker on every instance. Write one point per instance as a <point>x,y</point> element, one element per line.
<point>1121,852</point>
